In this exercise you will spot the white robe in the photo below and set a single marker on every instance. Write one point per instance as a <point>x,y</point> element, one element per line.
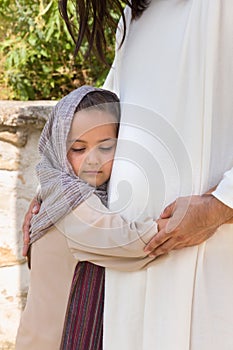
<point>174,75</point>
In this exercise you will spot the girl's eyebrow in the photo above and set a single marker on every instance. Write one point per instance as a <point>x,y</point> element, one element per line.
<point>100,141</point>
<point>78,140</point>
<point>108,139</point>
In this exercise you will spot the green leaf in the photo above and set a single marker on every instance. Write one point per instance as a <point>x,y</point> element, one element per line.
<point>36,52</point>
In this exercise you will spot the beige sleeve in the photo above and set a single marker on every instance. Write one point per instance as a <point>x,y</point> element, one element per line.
<point>95,234</point>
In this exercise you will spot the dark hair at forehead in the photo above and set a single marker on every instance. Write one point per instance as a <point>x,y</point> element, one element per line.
<point>103,100</point>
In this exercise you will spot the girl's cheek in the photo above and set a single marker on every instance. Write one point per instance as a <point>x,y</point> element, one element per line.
<point>106,161</point>
<point>82,160</point>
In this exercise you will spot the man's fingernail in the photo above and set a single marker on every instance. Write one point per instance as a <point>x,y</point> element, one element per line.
<point>34,209</point>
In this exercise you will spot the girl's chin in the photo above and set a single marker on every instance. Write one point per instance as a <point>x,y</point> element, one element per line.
<point>92,181</point>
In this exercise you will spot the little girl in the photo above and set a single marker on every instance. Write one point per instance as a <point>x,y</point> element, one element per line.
<point>74,236</point>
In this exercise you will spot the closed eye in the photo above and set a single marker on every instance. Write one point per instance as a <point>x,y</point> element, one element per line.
<point>79,150</point>
<point>107,149</point>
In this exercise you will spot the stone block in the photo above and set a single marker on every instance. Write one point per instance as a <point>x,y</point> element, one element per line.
<point>20,127</point>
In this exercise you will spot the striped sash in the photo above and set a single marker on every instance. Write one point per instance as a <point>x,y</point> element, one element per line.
<point>83,328</point>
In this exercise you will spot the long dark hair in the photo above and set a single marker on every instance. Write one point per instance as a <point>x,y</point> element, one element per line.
<point>94,17</point>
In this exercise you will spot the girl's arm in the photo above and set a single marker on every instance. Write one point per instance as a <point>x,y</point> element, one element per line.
<point>95,234</point>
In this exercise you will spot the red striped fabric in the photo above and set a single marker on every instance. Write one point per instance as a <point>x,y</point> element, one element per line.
<point>83,328</point>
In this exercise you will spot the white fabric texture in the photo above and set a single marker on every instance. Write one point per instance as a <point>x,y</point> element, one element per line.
<point>175,68</point>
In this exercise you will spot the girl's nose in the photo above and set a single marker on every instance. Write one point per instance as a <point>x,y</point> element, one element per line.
<point>92,158</point>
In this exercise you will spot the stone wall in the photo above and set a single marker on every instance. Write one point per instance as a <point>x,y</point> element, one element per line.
<point>20,127</point>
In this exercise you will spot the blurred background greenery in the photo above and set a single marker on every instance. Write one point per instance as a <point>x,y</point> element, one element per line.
<point>36,53</point>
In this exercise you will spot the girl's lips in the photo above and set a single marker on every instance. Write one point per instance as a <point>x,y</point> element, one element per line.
<point>92,172</point>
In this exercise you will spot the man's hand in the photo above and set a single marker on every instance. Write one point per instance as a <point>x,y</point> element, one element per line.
<point>33,209</point>
<point>187,222</point>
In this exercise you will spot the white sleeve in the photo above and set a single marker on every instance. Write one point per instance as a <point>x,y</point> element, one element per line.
<point>113,78</point>
<point>224,191</point>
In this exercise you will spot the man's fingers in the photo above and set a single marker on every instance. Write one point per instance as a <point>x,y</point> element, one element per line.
<point>156,241</point>
<point>25,249</point>
<point>36,208</point>
<point>26,223</point>
<point>168,211</point>
<point>33,209</point>
<point>164,248</point>
<point>26,237</point>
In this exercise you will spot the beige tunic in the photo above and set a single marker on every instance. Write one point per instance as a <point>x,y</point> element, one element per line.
<point>90,233</point>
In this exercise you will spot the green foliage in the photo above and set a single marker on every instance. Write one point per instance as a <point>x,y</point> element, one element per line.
<point>36,53</point>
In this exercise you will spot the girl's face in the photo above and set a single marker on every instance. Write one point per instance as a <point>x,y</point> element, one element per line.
<point>92,144</point>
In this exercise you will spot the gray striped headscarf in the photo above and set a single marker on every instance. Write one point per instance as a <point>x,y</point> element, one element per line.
<point>61,190</point>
